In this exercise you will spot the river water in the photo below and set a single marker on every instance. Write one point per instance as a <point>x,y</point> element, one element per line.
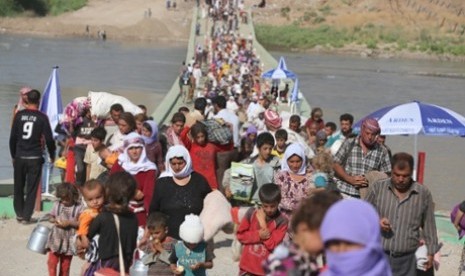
<point>145,71</point>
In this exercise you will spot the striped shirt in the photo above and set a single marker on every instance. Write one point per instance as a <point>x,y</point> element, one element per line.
<point>357,163</point>
<point>406,217</point>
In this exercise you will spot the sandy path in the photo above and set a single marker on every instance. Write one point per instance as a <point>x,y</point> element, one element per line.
<point>16,260</point>
<point>119,18</point>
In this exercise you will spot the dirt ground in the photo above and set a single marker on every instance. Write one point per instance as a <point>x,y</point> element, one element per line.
<point>443,16</point>
<point>120,19</point>
<point>17,260</point>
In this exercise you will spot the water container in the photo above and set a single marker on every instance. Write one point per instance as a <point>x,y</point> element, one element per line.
<point>38,239</point>
<point>138,268</point>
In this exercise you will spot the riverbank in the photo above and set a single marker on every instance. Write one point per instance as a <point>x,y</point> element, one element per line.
<point>373,30</point>
<point>432,30</point>
<point>121,20</point>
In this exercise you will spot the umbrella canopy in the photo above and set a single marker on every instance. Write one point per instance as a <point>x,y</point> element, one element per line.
<point>418,118</point>
<point>282,63</point>
<point>279,72</point>
<point>51,103</point>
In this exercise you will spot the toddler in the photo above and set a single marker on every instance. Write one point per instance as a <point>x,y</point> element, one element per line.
<point>159,245</point>
<point>108,157</point>
<point>191,256</point>
<point>323,166</point>
<point>120,187</point>
<point>93,194</point>
<point>64,216</point>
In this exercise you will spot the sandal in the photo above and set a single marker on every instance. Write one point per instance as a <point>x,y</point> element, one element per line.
<point>19,219</point>
<point>29,221</point>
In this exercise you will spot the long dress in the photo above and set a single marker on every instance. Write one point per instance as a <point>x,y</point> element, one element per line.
<point>60,240</point>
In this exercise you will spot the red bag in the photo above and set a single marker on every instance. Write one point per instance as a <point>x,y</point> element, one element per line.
<point>106,271</point>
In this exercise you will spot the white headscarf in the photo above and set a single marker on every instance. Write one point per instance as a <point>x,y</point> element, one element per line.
<point>294,149</point>
<point>143,164</point>
<point>177,151</point>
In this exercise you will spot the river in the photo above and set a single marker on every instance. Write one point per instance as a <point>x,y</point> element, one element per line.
<point>338,84</point>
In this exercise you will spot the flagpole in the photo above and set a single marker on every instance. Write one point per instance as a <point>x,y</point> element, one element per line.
<point>52,106</point>
<point>415,156</point>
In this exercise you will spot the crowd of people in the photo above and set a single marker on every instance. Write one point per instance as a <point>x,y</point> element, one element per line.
<point>307,199</point>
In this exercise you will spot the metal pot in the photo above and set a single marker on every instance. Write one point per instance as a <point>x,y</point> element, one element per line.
<point>138,267</point>
<point>38,239</point>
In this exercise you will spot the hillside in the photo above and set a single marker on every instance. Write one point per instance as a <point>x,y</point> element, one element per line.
<point>412,28</point>
<point>431,26</point>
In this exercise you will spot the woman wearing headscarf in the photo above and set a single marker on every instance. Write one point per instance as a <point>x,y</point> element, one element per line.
<point>251,134</point>
<point>153,147</point>
<point>294,180</point>
<point>179,190</point>
<point>352,237</point>
<point>22,102</point>
<point>134,161</point>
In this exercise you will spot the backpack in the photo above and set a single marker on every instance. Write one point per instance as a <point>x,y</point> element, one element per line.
<point>186,76</point>
<point>218,131</point>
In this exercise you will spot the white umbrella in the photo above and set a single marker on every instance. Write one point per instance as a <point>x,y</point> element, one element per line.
<point>415,118</point>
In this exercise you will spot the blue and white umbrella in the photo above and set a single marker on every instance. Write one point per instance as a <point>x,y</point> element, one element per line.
<point>279,72</point>
<point>51,105</point>
<point>418,118</point>
<point>282,63</point>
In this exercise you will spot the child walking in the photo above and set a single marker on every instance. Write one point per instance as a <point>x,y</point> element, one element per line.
<point>264,167</point>
<point>323,165</point>
<point>64,216</point>
<point>159,245</point>
<point>203,154</point>
<point>302,252</point>
<point>191,256</point>
<point>119,189</point>
<point>281,143</point>
<point>261,230</point>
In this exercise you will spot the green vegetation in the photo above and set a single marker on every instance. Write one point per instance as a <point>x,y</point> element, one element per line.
<point>325,10</point>
<point>369,35</point>
<point>285,12</point>
<point>9,8</point>
<point>39,7</point>
<point>62,6</point>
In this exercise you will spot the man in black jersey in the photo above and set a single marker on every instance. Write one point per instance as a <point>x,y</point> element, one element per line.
<point>30,130</point>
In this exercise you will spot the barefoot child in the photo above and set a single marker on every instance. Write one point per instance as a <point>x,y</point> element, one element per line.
<point>191,256</point>
<point>159,245</point>
<point>64,216</point>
